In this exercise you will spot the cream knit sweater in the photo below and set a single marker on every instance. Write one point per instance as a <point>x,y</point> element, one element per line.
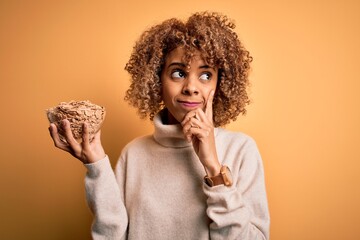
<point>158,192</point>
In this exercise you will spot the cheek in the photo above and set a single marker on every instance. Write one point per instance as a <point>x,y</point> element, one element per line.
<point>206,90</point>
<point>166,93</point>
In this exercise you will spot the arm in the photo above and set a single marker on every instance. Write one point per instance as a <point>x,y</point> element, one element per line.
<point>104,199</point>
<point>102,192</point>
<point>240,211</point>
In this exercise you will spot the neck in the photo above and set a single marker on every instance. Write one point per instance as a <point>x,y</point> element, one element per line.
<point>167,118</point>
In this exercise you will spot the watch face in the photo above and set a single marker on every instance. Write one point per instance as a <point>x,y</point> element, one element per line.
<point>226,173</point>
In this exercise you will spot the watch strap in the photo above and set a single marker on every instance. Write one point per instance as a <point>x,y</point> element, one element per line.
<point>222,178</point>
<point>214,181</point>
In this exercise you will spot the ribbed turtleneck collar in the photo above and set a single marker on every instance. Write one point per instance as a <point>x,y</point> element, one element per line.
<point>169,135</point>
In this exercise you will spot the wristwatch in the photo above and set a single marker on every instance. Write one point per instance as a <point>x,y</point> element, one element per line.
<point>224,177</point>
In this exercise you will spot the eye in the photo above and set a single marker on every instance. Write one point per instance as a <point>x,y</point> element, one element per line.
<point>205,76</point>
<point>178,74</point>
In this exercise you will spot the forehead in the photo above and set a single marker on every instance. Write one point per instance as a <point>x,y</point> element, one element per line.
<point>178,55</point>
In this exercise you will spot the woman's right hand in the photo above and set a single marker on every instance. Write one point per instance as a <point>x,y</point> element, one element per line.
<point>86,151</point>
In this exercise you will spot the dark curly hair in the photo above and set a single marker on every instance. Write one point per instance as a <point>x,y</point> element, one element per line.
<point>209,33</point>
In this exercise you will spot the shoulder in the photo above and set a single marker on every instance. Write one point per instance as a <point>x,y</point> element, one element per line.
<point>239,151</point>
<point>234,138</point>
<point>138,143</point>
<point>237,146</point>
<point>136,149</point>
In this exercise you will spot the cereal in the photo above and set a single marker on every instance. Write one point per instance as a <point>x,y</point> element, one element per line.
<point>77,112</point>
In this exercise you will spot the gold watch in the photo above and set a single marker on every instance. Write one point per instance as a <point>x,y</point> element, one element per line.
<point>224,177</point>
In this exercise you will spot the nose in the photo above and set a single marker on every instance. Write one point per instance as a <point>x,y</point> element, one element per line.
<point>190,86</point>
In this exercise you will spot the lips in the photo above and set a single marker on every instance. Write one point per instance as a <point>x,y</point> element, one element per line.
<point>189,104</point>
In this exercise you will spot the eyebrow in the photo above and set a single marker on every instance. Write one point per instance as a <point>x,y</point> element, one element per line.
<point>177,64</point>
<point>184,65</point>
<point>206,67</point>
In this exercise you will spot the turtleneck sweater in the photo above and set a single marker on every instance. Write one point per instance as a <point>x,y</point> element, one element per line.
<point>157,190</point>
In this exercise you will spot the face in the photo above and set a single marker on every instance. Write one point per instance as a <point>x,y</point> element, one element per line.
<point>186,87</point>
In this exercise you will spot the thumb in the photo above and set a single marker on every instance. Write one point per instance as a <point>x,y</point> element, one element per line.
<point>209,105</point>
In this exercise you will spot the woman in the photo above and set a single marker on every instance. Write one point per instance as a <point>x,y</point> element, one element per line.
<point>190,179</point>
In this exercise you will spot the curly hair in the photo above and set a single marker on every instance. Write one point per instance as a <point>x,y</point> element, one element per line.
<point>209,33</point>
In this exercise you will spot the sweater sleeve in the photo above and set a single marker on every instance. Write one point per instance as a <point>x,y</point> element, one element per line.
<point>240,211</point>
<point>104,199</point>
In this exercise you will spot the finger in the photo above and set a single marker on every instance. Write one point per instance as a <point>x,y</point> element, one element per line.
<point>187,125</point>
<point>209,105</point>
<point>53,131</point>
<point>203,118</point>
<point>189,121</point>
<point>68,135</point>
<point>196,128</point>
<point>85,137</point>
<point>186,128</point>
<point>188,136</point>
<point>97,136</point>
<point>56,138</point>
<point>188,116</point>
<point>199,133</point>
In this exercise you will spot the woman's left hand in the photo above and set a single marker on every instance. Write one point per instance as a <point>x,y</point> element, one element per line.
<point>198,127</point>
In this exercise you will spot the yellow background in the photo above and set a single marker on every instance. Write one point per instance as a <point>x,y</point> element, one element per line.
<point>305,113</point>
